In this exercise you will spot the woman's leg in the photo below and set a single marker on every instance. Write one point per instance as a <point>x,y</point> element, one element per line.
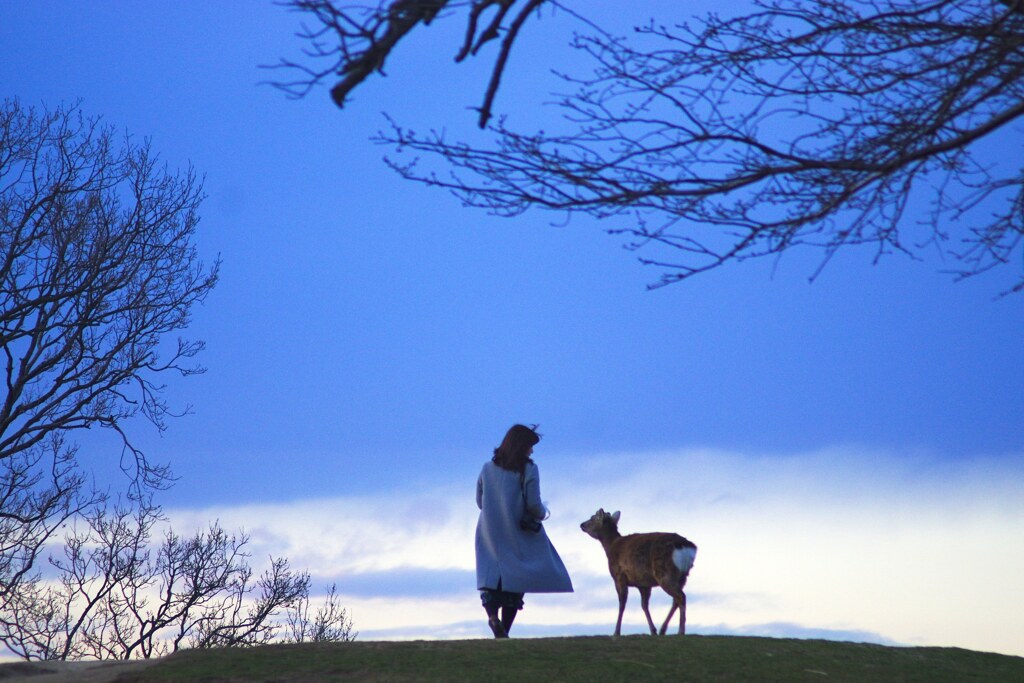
<point>492,602</point>
<point>510,606</point>
<point>508,615</point>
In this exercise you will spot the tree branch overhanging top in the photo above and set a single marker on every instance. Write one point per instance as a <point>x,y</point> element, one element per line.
<point>348,43</point>
<point>790,123</point>
<point>799,124</point>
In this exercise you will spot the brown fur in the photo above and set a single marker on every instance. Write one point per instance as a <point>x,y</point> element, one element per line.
<point>643,561</point>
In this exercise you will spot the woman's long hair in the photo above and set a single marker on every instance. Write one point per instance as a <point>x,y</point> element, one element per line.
<point>514,451</point>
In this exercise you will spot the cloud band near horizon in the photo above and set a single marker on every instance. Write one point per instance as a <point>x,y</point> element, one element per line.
<point>841,543</point>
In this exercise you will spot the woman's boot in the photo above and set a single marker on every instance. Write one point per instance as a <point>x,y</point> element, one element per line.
<point>496,624</point>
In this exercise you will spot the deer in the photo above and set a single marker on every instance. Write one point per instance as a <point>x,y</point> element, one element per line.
<point>644,561</point>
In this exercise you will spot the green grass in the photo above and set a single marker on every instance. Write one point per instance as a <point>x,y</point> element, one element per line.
<point>633,659</point>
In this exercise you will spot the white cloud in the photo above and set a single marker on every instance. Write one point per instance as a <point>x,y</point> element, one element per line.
<point>901,549</point>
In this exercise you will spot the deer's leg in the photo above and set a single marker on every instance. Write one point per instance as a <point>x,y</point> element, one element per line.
<point>664,626</point>
<point>623,591</point>
<point>645,600</point>
<point>678,602</point>
<point>682,612</point>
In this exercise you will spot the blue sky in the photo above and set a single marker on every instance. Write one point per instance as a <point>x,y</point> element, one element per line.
<point>370,341</point>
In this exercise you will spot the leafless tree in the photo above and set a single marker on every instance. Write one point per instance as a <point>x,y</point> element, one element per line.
<point>114,593</point>
<point>789,123</point>
<point>97,266</point>
<point>40,490</point>
<point>329,624</point>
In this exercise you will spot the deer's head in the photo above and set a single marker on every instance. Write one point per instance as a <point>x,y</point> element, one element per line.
<point>601,524</point>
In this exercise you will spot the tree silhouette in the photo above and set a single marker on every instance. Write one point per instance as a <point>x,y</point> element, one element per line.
<point>97,268</point>
<point>794,123</point>
<point>120,589</point>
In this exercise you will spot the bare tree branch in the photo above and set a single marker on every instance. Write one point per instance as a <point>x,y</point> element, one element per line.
<point>117,594</point>
<point>796,124</point>
<point>351,41</point>
<point>97,267</point>
<point>329,624</point>
<point>40,490</point>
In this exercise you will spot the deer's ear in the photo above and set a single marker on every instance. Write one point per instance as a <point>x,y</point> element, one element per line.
<point>615,516</point>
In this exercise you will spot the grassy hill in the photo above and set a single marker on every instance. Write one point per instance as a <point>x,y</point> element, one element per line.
<point>584,660</point>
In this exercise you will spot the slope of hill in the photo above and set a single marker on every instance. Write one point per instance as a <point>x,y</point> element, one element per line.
<point>583,660</point>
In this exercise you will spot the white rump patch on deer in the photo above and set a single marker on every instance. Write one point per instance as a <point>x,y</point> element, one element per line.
<point>684,557</point>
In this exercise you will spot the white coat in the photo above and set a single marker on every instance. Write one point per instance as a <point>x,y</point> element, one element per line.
<point>525,561</point>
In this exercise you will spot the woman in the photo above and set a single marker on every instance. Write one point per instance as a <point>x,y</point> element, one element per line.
<point>513,553</point>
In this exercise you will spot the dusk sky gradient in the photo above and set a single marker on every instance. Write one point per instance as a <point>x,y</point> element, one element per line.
<point>848,454</point>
